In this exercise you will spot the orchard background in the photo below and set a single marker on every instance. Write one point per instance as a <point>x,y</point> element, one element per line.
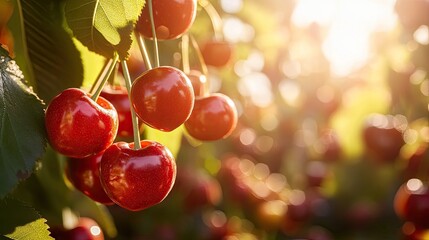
<point>332,136</point>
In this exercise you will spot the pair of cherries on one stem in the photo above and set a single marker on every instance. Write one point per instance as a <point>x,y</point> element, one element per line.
<point>84,130</point>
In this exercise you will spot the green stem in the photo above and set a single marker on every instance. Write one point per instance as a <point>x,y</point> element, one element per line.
<point>136,130</point>
<point>203,65</point>
<point>101,75</point>
<point>185,54</point>
<point>143,50</point>
<point>155,40</point>
<point>108,69</point>
<point>215,18</point>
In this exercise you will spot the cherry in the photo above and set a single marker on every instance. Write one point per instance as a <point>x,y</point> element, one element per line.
<point>136,179</point>
<point>217,53</point>
<point>198,81</point>
<point>383,137</point>
<point>84,174</point>
<point>412,203</point>
<point>79,127</point>
<point>198,189</point>
<point>163,98</point>
<point>118,96</point>
<point>214,117</point>
<point>171,18</point>
<point>85,229</point>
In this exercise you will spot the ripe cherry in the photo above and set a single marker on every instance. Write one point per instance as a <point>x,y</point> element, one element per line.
<point>198,81</point>
<point>85,229</point>
<point>214,117</point>
<point>217,53</point>
<point>163,98</point>
<point>411,202</point>
<point>84,174</point>
<point>79,127</point>
<point>137,179</point>
<point>171,18</point>
<point>118,96</point>
<point>383,137</point>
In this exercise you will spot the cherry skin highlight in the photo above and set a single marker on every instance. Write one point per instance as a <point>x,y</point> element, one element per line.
<point>137,179</point>
<point>198,81</point>
<point>163,98</point>
<point>214,117</point>
<point>79,127</point>
<point>84,174</point>
<point>171,18</point>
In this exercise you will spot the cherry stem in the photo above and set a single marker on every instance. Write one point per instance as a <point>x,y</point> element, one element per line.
<point>143,50</point>
<point>203,65</point>
<point>185,54</point>
<point>101,75</point>
<point>215,18</point>
<point>136,130</point>
<point>108,69</point>
<point>155,40</point>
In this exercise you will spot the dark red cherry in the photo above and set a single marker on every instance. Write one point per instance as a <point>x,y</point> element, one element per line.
<point>79,127</point>
<point>217,53</point>
<point>118,97</point>
<point>411,203</point>
<point>171,18</point>
<point>84,174</point>
<point>163,98</point>
<point>383,137</point>
<point>214,117</point>
<point>137,179</point>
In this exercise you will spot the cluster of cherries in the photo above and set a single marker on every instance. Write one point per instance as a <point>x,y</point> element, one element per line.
<point>140,174</point>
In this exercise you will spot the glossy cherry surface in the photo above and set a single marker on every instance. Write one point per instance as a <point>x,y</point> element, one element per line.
<point>163,98</point>
<point>79,127</point>
<point>137,179</point>
<point>214,117</point>
<point>411,202</point>
<point>171,18</point>
<point>85,229</point>
<point>198,81</point>
<point>84,174</point>
<point>118,97</point>
<point>217,53</point>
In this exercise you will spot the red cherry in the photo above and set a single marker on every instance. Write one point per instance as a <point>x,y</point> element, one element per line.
<point>217,53</point>
<point>79,127</point>
<point>163,98</point>
<point>137,179</point>
<point>382,137</point>
<point>198,81</point>
<point>85,229</point>
<point>412,203</point>
<point>214,117</point>
<point>118,96</point>
<point>171,18</point>
<point>84,174</point>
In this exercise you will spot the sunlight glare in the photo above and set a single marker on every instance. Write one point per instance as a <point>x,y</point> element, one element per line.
<point>349,26</point>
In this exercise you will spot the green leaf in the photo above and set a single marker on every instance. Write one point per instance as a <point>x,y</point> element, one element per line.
<point>171,139</point>
<point>50,51</point>
<point>18,221</point>
<point>22,128</point>
<point>104,26</point>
